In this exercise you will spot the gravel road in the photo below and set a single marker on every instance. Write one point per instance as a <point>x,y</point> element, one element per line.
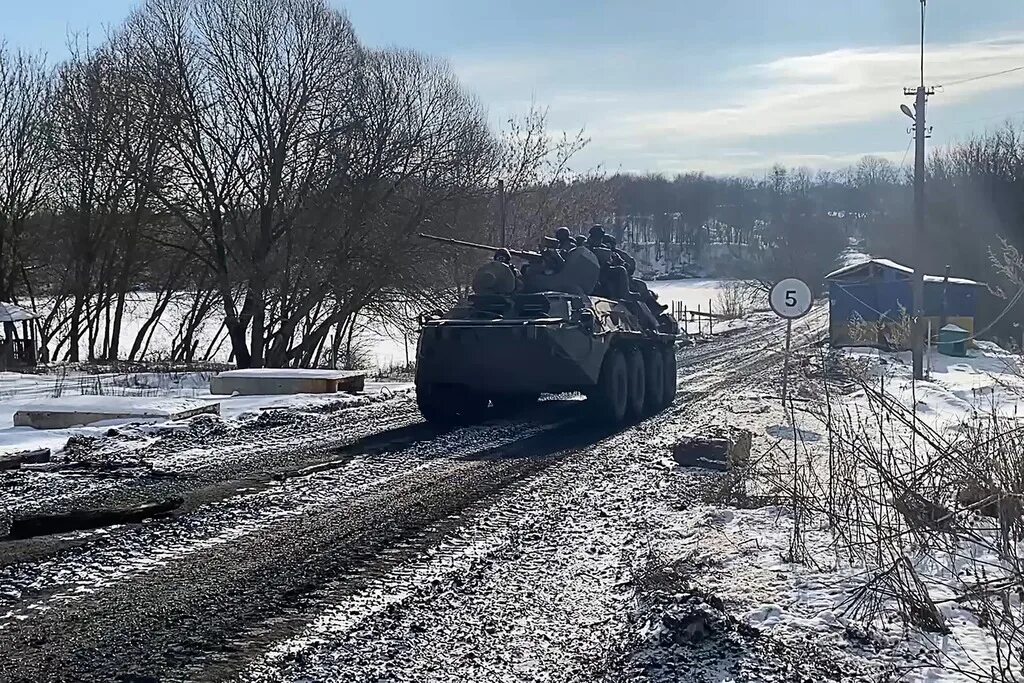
<point>362,545</point>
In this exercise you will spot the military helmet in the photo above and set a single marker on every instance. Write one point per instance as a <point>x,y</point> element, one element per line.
<point>563,234</point>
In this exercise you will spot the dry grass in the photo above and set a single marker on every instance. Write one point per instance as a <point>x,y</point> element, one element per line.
<point>899,496</point>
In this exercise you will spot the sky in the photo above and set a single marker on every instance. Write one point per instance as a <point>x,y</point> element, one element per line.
<point>721,86</point>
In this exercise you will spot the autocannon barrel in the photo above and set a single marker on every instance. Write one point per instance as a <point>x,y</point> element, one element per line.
<point>474,245</point>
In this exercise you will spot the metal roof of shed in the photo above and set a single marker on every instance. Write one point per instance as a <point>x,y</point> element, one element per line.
<point>12,313</point>
<point>888,263</point>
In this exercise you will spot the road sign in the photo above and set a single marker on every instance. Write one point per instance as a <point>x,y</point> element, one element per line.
<point>790,298</point>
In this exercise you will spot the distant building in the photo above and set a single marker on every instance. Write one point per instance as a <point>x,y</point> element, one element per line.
<point>870,304</point>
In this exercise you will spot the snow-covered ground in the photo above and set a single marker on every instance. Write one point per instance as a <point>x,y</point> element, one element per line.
<point>147,391</point>
<point>694,294</point>
<point>810,588</point>
<point>990,381</point>
<point>380,346</point>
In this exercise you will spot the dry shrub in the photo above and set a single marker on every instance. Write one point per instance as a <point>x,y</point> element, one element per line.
<point>898,497</point>
<point>735,300</point>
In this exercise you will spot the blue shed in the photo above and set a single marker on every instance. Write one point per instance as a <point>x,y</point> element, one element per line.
<point>870,303</point>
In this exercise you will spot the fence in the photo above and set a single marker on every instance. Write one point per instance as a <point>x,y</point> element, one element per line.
<point>687,317</point>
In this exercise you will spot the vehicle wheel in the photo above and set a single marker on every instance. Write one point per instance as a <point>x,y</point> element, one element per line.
<point>669,370</point>
<point>637,395</point>
<point>654,363</point>
<point>430,400</point>
<point>510,404</point>
<point>446,404</point>
<point>612,390</point>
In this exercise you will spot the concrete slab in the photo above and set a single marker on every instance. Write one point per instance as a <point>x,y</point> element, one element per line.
<point>266,381</point>
<point>77,411</point>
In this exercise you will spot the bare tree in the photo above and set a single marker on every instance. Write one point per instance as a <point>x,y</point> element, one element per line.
<point>24,156</point>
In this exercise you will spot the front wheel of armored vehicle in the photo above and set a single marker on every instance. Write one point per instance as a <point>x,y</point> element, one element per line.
<point>447,404</point>
<point>654,364</point>
<point>671,381</point>
<point>637,394</point>
<point>610,396</point>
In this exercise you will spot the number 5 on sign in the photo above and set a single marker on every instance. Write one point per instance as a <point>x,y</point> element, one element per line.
<point>790,299</point>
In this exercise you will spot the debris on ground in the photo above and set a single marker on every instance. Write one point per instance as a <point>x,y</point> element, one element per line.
<point>717,448</point>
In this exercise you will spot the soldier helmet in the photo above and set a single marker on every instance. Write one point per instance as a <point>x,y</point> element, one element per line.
<point>597,232</point>
<point>563,235</point>
<point>549,242</point>
<point>609,241</point>
<point>502,255</point>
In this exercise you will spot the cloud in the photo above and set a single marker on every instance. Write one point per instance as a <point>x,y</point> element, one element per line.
<point>739,117</point>
<point>809,92</point>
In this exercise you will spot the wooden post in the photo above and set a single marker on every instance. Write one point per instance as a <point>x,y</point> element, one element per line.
<point>711,321</point>
<point>501,210</point>
<point>686,322</point>
<point>928,352</point>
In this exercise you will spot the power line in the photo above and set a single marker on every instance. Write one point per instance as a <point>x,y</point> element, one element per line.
<point>981,76</point>
<point>906,151</point>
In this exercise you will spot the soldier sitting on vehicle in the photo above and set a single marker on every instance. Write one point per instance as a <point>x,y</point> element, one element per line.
<point>614,280</point>
<point>551,257</point>
<point>565,241</point>
<point>504,256</point>
<point>628,261</point>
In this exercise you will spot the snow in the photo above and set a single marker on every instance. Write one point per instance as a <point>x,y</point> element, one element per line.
<point>288,373</point>
<point>988,382</point>
<point>750,547</point>
<point>382,347</point>
<point>10,313</point>
<point>888,263</point>
<point>148,391</point>
<point>128,406</point>
<point>693,293</point>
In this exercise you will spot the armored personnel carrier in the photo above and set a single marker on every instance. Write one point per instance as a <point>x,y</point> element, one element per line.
<point>507,343</point>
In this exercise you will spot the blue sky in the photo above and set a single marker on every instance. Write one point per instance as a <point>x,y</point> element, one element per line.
<point>726,86</point>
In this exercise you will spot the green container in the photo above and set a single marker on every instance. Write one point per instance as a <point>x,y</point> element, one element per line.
<point>953,341</point>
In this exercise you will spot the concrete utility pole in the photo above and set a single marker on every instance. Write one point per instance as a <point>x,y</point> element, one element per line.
<point>920,94</point>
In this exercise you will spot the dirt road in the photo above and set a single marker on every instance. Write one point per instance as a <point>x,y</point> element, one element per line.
<point>364,545</point>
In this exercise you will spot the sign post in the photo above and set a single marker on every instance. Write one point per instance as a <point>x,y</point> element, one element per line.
<point>790,299</point>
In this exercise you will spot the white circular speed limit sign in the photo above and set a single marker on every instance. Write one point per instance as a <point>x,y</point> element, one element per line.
<point>790,298</point>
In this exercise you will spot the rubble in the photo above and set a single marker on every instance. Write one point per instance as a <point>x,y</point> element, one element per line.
<point>719,448</point>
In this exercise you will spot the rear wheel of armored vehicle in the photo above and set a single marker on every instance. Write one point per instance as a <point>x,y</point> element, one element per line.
<point>448,404</point>
<point>510,404</point>
<point>654,364</point>
<point>610,396</point>
<point>637,384</point>
<point>669,370</point>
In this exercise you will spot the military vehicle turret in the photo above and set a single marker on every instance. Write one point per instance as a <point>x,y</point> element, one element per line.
<point>519,336</point>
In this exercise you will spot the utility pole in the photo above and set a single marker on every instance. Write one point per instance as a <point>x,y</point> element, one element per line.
<point>501,210</point>
<point>920,94</point>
